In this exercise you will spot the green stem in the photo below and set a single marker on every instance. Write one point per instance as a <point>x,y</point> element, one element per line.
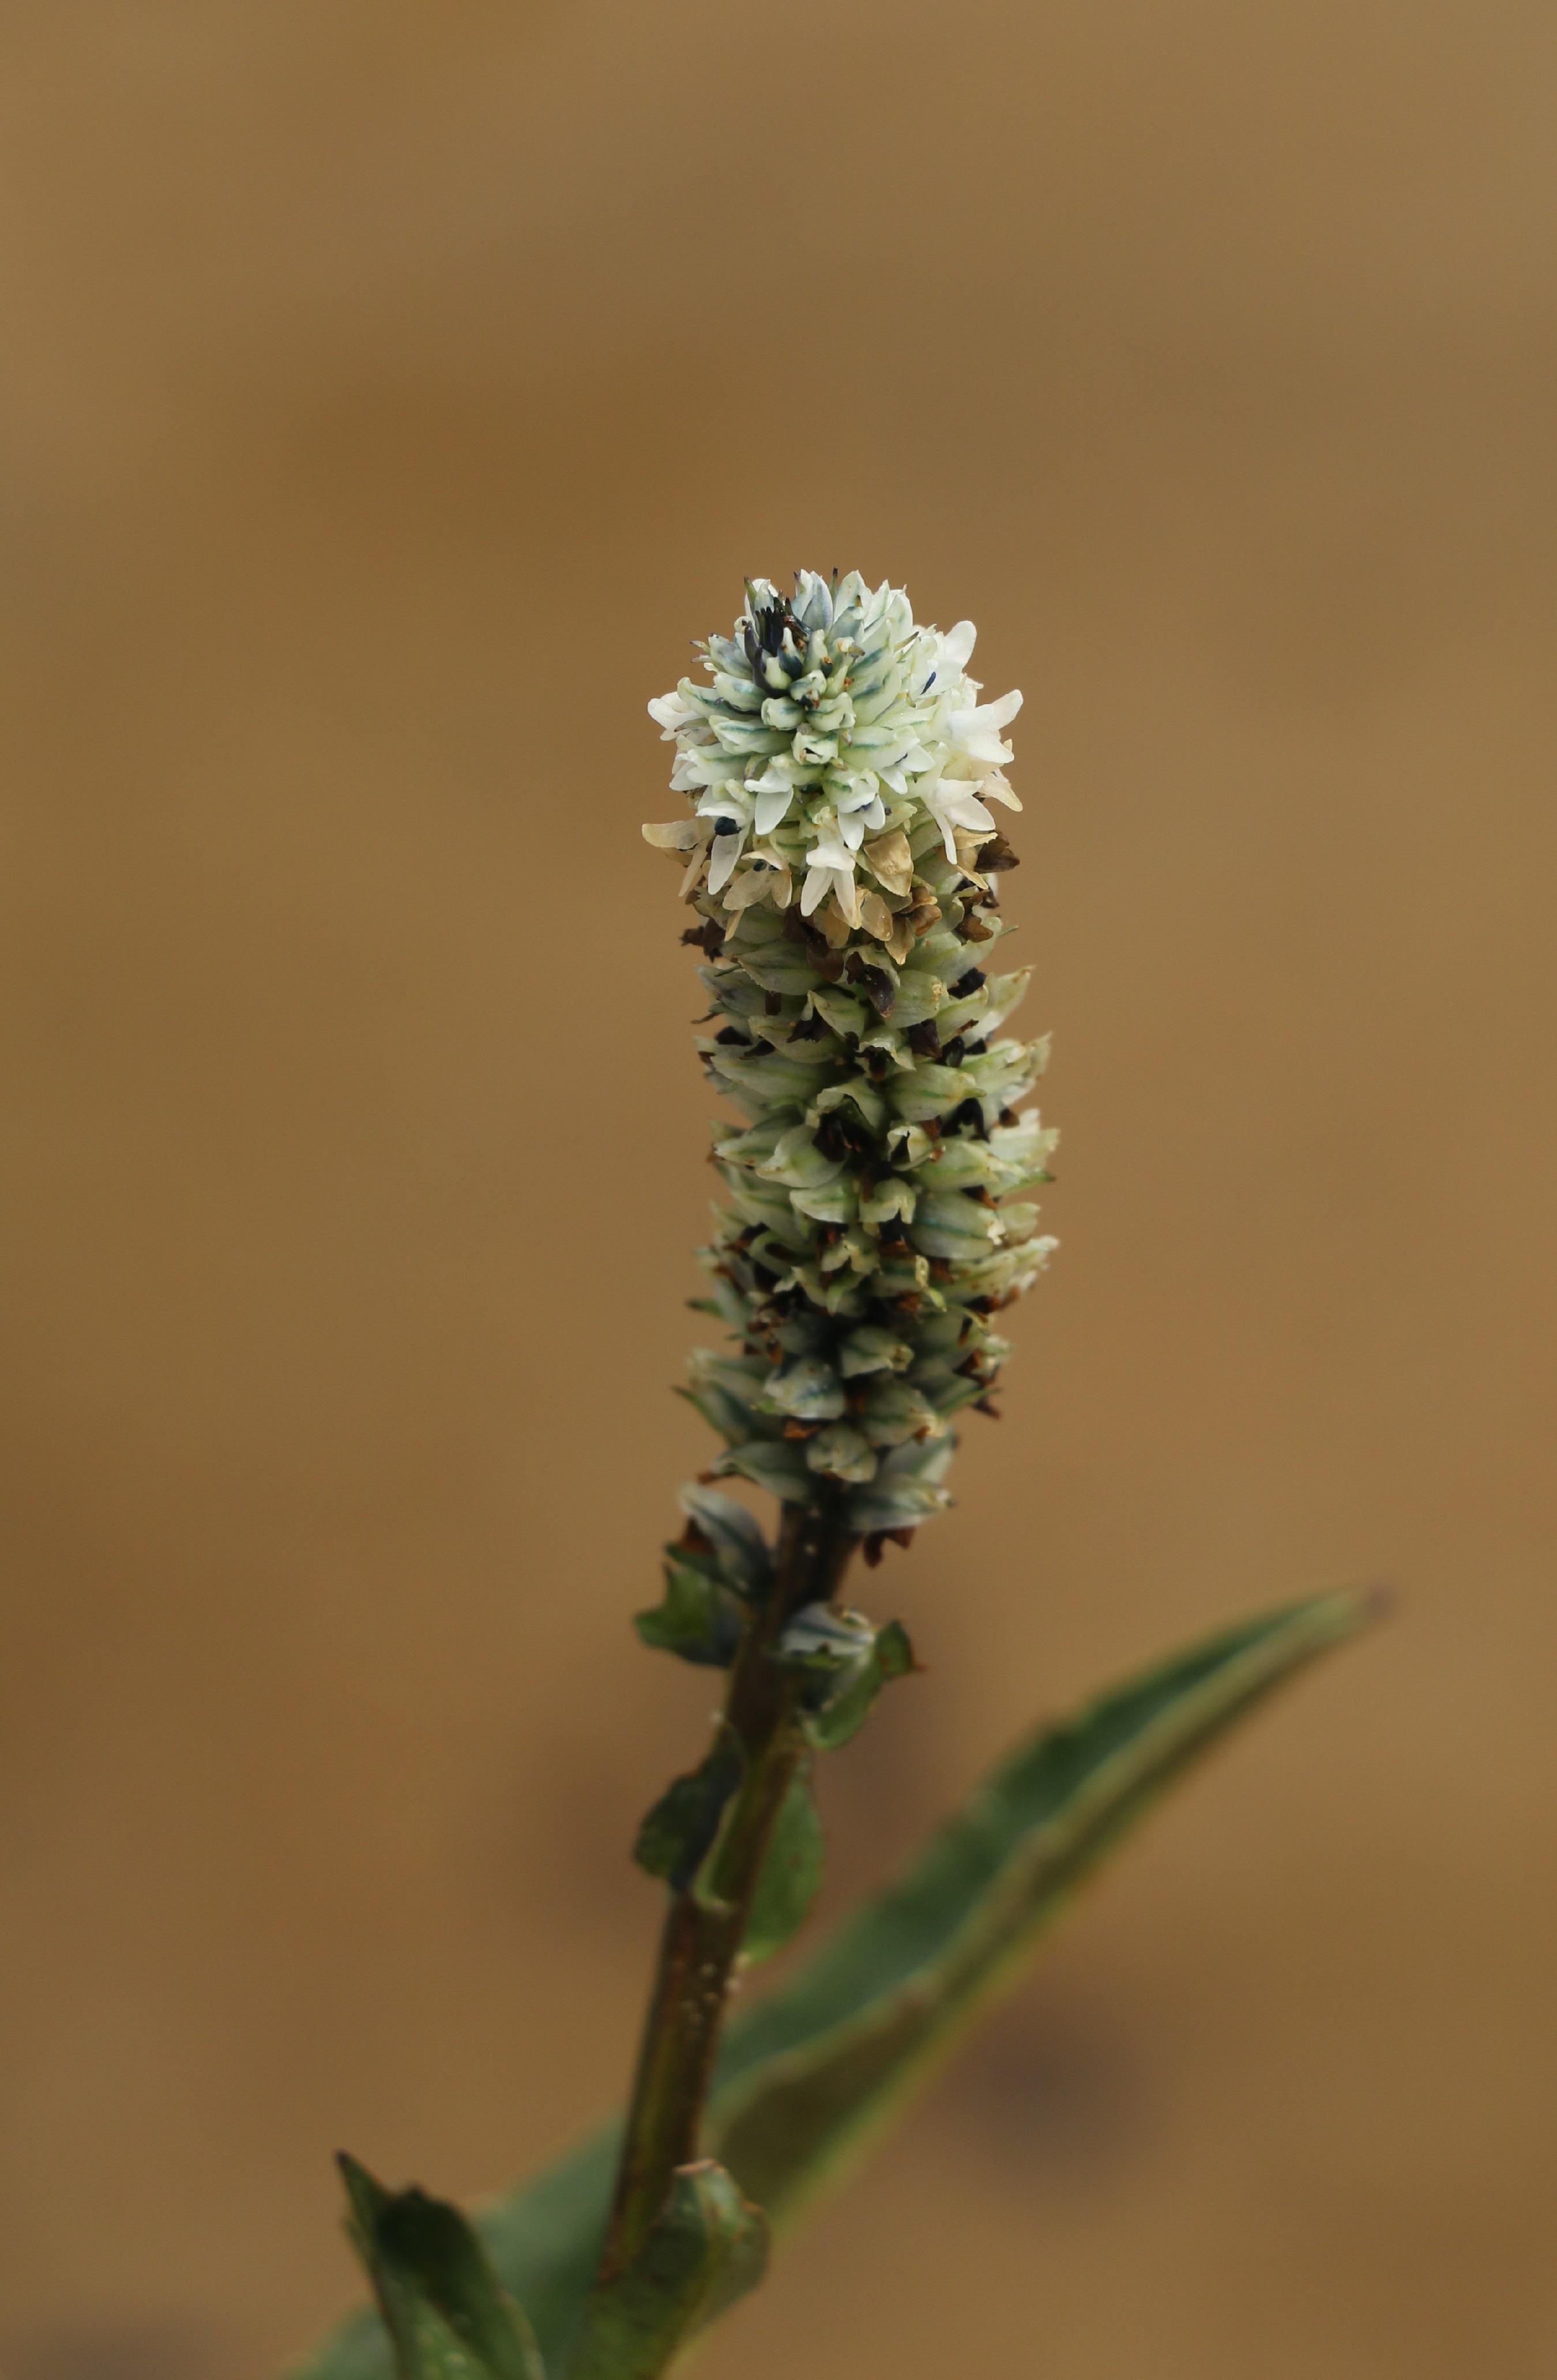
<point>702,1939</point>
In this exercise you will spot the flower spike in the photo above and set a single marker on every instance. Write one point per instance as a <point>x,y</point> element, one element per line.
<point>841,853</point>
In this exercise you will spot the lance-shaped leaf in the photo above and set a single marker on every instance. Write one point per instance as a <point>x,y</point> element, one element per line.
<point>707,2247</point>
<point>447,2315</point>
<point>811,2073</point>
<point>807,2073</point>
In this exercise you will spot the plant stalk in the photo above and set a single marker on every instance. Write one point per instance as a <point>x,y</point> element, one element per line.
<point>702,1939</point>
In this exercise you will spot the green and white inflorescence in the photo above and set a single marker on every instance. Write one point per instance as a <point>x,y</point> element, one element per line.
<point>843,860</point>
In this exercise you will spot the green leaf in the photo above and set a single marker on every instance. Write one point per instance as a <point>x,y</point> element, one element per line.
<point>745,1556</point>
<point>840,1719</point>
<point>707,2247</point>
<point>444,2309</point>
<point>680,1830</point>
<point>699,1618</point>
<point>845,1660</point>
<point>812,2073</point>
<point>806,2074</point>
<point>791,1874</point>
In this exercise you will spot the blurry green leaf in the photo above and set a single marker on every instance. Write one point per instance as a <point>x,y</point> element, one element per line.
<point>745,1556</point>
<point>791,1874</point>
<point>699,1618</point>
<point>679,1831</point>
<point>707,2248</point>
<point>825,1640</point>
<point>807,2072</point>
<point>837,1717</point>
<point>441,2302</point>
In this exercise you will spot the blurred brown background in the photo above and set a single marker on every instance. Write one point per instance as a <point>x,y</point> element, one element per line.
<point>390,393</point>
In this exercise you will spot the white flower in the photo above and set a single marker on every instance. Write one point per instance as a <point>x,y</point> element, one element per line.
<point>775,791</point>
<point>943,659</point>
<point>976,733</point>
<point>953,804</point>
<point>829,867</point>
<point>673,713</point>
<point>995,789</point>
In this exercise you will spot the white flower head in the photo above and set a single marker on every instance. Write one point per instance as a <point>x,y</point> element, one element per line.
<point>831,716</point>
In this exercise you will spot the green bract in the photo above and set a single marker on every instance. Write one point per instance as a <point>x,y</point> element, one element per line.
<point>844,863</point>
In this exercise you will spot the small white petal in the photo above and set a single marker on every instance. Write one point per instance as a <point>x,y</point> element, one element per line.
<point>995,789</point>
<point>670,711</point>
<point>772,805</point>
<point>723,853</point>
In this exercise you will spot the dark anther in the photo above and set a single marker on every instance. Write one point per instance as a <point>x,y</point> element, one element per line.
<point>923,1039</point>
<point>827,962</point>
<point>1010,1116</point>
<point>983,1406</point>
<point>874,982</point>
<point>771,1004</point>
<point>707,937</point>
<point>810,1028</point>
<point>969,1117</point>
<point>733,1038</point>
<point>840,1136</point>
<point>831,1138</point>
<point>996,855</point>
<point>972,981</point>
<point>954,1052</point>
<point>975,1048</point>
<point>973,929</point>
